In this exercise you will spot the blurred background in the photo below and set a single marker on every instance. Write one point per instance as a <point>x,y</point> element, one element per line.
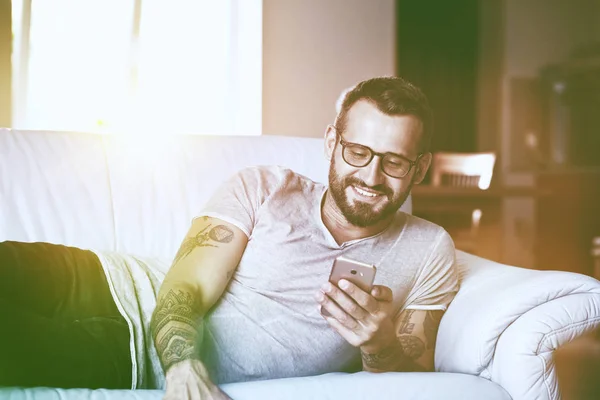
<point>519,79</point>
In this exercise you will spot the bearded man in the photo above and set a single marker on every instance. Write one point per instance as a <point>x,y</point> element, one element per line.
<point>245,296</point>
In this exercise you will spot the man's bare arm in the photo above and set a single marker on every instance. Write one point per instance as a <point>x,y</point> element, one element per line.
<point>416,332</point>
<point>200,273</point>
<point>176,327</point>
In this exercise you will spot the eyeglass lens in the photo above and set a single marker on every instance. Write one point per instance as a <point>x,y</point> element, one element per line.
<point>359,156</point>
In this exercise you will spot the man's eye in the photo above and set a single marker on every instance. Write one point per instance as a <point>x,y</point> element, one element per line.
<point>359,153</point>
<point>395,163</point>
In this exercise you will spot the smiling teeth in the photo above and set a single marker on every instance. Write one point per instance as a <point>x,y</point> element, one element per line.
<point>364,193</point>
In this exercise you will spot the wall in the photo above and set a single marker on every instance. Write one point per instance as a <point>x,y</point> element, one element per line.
<point>5,63</point>
<point>517,38</point>
<point>535,33</point>
<point>489,74</point>
<point>539,33</point>
<point>312,50</point>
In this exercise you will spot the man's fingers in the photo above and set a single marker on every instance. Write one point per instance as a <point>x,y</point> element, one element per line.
<point>349,299</point>
<point>367,301</point>
<point>363,299</point>
<point>382,293</point>
<point>344,332</point>
<point>330,303</point>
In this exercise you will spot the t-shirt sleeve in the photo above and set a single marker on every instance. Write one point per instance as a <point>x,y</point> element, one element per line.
<point>437,284</point>
<point>239,198</point>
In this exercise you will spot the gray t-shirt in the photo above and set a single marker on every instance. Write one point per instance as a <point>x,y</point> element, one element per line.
<point>267,324</point>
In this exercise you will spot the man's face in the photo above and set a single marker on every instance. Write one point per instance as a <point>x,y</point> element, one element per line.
<point>366,196</point>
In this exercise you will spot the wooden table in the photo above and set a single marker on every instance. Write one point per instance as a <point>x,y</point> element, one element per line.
<point>452,192</point>
<point>451,208</point>
<point>567,221</point>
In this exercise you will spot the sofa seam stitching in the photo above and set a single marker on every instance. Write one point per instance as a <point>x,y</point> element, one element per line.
<point>548,335</point>
<point>483,366</point>
<point>544,371</point>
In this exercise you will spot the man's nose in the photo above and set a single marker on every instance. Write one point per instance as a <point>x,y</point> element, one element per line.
<point>371,173</point>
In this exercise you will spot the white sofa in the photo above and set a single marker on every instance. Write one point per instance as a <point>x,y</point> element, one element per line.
<point>138,195</point>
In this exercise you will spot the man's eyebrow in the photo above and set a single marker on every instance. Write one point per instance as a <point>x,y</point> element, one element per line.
<point>397,154</point>
<point>385,152</point>
<point>406,157</point>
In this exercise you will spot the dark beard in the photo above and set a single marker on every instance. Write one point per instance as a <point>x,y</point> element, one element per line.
<point>362,214</point>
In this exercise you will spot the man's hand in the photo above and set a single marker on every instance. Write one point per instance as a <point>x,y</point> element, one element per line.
<point>188,380</point>
<point>362,318</point>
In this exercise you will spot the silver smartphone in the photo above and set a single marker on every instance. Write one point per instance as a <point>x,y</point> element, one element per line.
<point>359,273</point>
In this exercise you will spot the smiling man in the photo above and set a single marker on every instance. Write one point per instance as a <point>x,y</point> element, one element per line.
<point>245,296</point>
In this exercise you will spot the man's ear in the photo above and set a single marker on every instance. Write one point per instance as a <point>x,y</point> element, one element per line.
<point>330,139</point>
<point>422,166</point>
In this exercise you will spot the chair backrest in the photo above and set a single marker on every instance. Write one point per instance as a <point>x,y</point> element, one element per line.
<point>596,256</point>
<point>463,169</point>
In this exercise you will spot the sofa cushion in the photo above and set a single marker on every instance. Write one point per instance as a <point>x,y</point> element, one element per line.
<point>54,188</point>
<point>159,185</point>
<point>334,386</point>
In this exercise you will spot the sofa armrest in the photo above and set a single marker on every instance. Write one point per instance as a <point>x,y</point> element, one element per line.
<point>523,362</point>
<point>506,321</point>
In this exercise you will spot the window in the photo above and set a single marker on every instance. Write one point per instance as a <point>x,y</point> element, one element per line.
<point>182,66</point>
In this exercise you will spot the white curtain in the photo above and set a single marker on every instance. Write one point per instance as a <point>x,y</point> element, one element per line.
<point>147,66</point>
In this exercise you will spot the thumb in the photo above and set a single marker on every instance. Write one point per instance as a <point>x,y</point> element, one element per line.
<point>382,293</point>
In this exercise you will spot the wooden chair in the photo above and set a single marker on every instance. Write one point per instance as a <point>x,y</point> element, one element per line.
<point>596,257</point>
<point>469,170</point>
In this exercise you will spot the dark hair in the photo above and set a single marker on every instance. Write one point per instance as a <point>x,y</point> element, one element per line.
<point>392,96</point>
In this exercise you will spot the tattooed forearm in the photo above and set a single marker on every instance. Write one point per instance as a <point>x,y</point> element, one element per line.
<point>431,326</point>
<point>401,355</point>
<point>386,360</point>
<point>398,357</point>
<point>412,346</point>
<point>413,349</point>
<point>176,323</point>
<point>219,234</point>
<point>406,326</point>
<point>176,326</point>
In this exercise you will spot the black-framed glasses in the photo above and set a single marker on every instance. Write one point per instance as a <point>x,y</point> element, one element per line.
<point>358,155</point>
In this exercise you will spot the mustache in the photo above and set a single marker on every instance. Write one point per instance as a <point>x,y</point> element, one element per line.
<point>351,180</point>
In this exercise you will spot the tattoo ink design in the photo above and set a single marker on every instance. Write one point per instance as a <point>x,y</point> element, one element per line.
<point>219,233</point>
<point>413,346</point>
<point>431,325</point>
<point>381,359</point>
<point>174,327</point>
<point>406,326</point>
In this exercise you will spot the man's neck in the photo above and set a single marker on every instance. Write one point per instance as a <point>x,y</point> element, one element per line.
<point>339,227</point>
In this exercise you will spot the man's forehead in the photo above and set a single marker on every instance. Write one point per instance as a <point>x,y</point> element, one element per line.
<point>365,112</point>
<point>369,126</point>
